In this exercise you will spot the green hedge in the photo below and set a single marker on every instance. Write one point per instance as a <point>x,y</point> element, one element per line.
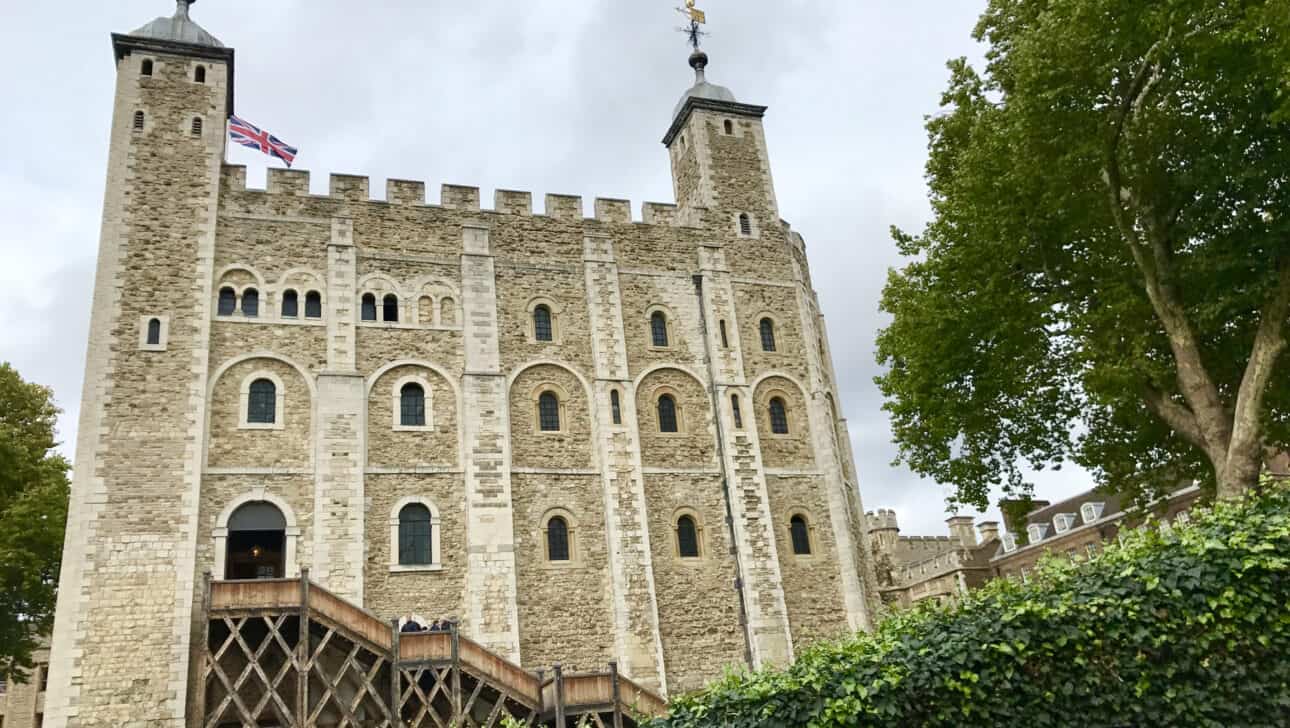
<point>1181,627</point>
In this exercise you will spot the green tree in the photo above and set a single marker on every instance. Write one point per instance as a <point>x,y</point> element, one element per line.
<point>1106,277</point>
<point>33,514</point>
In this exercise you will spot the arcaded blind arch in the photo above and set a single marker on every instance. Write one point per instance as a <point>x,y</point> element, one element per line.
<point>250,303</point>
<point>800,532</point>
<point>415,536</point>
<point>778,416</point>
<point>390,308</point>
<point>290,304</point>
<point>368,307</point>
<point>412,405</point>
<point>227,302</point>
<point>313,305</point>
<point>549,412</point>
<point>262,403</point>
<point>687,537</point>
<point>767,334</point>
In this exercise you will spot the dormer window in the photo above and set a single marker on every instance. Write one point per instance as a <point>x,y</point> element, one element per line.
<point>1009,543</point>
<point>1091,511</point>
<point>1036,532</point>
<point>1064,521</point>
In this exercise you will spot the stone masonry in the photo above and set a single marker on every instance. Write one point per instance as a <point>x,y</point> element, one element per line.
<point>341,301</point>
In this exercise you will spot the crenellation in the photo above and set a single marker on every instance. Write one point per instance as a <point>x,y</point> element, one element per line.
<point>458,197</point>
<point>405,192</point>
<point>613,210</point>
<point>512,202</point>
<point>233,178</point>
<point>349,187</point>
<point>659,213</point>
<point>288,182</point>
<point>563,207</point>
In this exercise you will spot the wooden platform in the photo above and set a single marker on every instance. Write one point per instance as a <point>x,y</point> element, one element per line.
<point>288,653</point>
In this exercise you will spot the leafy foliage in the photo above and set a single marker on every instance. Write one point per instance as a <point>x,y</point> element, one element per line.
<point>1111,199</point>
<point>33,515</point>
<point>1183,626</point>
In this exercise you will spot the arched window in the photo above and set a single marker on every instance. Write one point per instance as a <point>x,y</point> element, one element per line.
<point>197,126</point>
<point>734,408</point>
<point>549,412</point>
<point>725,342</point>
<point>425,311</point>
<point>390,307</point>
<point>801,535</point>
<point>557,539</point>
<point>542,324</point>
<point>257,542</point>
<point>667,414</point>
<point>745,224</point>
<point>687,538</point>
<point>412,405</point>
<point>658,328</point>
<point>146,69</point>
<point>614,407</point>
<point>730,127</point>
<point>250,303</point>
<point>369,307</point>
<point>138,121</point>
<point>313,304</point>
<point>290,304</point>
<point>154,332</point>
<point>778,417</point>
<point>199,74</point>
<point>447,312</point>
<point>262,404</point>
<point>767,335</point>
<point>227,302</point>
<point>415,536</point>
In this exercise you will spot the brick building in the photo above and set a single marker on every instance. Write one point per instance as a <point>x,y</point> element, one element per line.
<point>584,438</point>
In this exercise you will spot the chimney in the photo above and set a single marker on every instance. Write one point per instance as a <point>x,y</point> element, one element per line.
<point>989,530</point>
<point>961,531</point>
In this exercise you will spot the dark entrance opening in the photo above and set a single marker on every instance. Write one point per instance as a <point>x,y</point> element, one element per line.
<point>257,540</point>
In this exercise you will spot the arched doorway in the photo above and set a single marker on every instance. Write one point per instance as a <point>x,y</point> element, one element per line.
<point>257,535</point>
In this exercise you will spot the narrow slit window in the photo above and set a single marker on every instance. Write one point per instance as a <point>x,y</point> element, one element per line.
<point>734,408</point>
<point>290,304</point>
<point>138,121</point>
<point>614,407</point>
<point>730,127</point>
<point>549,412</point>
<point>767,335</point>
<point>415,536</point>
<point>250,303</point>
<point>725,341</point>
<point>412,405</point>
<point>778,417</point>
<point>658,329</point>
<point>154,332</point>
<point>542,330</point>
<point>199,74</point>
<point>667,414</point>
<point>227,302</point>
<point>197,126</point>
<point>745,224</point>
<point>313,305</point>
<point>369,307</point>
<point>146,69</point>
<point>390,308</point>
<point>262,404</point>
<point>557,539</point>
<point>801,536</point>
<point>687,538</point>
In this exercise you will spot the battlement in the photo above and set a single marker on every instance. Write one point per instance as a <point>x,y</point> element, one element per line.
<point>882,519</point>
<point>357,188</point>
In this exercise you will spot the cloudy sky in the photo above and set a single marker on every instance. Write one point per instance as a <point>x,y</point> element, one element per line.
<point>565,97</point>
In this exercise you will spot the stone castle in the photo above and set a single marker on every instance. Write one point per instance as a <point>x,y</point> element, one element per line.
<point>582,438</point>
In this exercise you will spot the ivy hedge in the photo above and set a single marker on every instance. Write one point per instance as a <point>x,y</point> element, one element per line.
<point>1188,626</point>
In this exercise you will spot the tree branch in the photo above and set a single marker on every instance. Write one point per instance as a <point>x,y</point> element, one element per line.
<point>1180,419</point>
<point>1269,342</point>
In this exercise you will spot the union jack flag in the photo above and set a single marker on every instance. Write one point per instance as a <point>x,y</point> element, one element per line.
<point>250,135</point>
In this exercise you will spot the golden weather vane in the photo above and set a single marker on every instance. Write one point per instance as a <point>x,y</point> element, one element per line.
<point>697,18</point>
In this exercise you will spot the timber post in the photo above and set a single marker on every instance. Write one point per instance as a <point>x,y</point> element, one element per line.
<point>304,658</point>
<point>559,696</point>
<point>395,704</point>
<point>454,629</point>
<point>207,657</point>
<point>617,696</point>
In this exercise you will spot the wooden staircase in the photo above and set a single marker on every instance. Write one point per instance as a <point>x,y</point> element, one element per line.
<point>287,653</point>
